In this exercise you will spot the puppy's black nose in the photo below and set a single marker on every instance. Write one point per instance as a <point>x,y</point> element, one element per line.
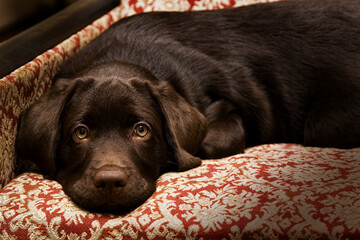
<point>110,178</point>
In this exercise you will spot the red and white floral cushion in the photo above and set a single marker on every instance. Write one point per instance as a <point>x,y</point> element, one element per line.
<point>131,7</point>
<point>271,191</point>
<point>278,191</point>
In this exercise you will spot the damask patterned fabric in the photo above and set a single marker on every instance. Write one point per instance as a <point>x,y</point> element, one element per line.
<point>277,191</point>
<point>270,192</point>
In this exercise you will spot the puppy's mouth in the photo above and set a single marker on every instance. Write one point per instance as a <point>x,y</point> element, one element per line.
<point>116,208</point>
<point>122,202</point>
<point>111,205</point>
<point>109,208</point>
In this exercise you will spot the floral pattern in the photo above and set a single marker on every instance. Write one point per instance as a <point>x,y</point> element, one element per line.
<point>270,192</point>
<point>131,7</point>
<point>277,191</point>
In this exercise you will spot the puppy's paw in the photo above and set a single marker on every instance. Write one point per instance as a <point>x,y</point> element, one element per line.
<point>219,145</point>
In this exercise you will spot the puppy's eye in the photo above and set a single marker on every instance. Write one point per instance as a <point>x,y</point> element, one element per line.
<point>141,130</point>
<point>81,132</point>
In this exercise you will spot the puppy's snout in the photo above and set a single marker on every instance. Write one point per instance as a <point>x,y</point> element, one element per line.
<point>110,178</point>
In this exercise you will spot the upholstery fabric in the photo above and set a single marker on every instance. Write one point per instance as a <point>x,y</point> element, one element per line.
<point>276,191</point>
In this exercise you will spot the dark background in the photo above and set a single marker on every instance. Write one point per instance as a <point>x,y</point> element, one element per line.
<point>30,27</point>
<point>18,15</point>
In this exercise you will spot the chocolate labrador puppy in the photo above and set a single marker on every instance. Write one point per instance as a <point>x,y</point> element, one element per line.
<point>167,89</point>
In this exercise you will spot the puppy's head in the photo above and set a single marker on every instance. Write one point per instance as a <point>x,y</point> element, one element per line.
<point>107,135</point>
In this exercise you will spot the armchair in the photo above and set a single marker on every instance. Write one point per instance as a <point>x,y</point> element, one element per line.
<point>274,191</point>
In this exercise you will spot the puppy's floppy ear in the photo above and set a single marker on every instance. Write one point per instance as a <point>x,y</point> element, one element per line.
<point>39,129</point>
<point>186,126</point>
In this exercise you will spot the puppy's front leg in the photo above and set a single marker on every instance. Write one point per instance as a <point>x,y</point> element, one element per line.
<point>225,134</point>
